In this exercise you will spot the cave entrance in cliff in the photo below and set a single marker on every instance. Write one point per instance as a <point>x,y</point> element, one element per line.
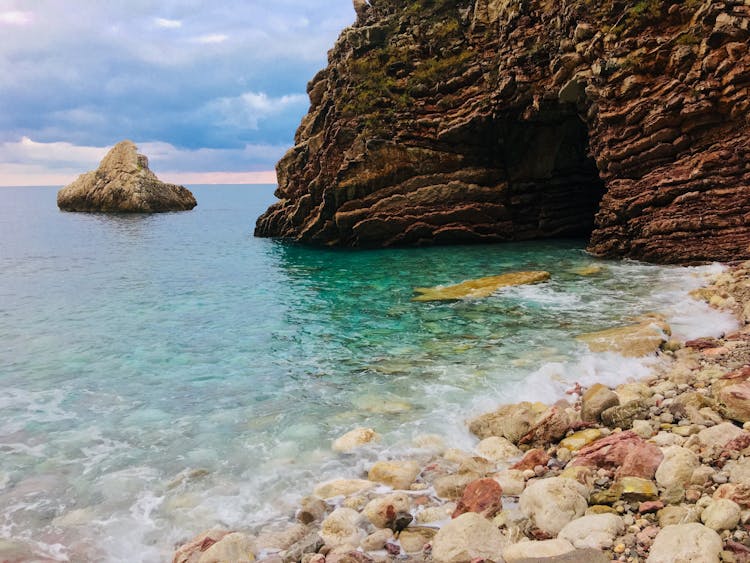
<point>555,187</point>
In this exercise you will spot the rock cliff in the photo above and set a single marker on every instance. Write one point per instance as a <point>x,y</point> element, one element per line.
<point>445,121</point>
<point>123,183</point>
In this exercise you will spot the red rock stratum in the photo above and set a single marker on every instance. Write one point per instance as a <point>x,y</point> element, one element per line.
<point>441,121</point>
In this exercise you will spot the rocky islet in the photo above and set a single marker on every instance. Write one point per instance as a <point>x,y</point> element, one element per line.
<point>123,183</point>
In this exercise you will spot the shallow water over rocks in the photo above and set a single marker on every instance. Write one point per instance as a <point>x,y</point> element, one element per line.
<point>160,374</point>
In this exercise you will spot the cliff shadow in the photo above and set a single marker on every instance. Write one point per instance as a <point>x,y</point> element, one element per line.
<point>553,185</point>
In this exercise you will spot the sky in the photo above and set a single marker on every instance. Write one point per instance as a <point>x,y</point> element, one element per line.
<point>211,91</point>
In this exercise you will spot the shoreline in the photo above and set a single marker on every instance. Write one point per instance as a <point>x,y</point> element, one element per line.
<point>577,471</point>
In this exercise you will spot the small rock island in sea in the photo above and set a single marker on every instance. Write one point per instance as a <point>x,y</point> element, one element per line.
<point>123,183</point>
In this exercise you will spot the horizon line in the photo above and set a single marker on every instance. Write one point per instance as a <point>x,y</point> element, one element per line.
<point>264,177</point>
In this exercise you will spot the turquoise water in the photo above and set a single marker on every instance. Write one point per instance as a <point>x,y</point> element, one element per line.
<point>134,349</point>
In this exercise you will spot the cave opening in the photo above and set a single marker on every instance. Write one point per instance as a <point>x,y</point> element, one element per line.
<point>554,186</point>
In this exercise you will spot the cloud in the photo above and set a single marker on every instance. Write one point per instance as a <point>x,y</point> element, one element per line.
<point>211,39</point>
<point>168,24</point>
<point>249,109</point>
<point>16,18</point>
<point>55,155</point>
<point>267,177</point>
<point>31,163</point>
<point>94,73</point>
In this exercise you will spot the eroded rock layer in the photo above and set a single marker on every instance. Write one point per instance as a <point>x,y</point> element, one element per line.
<point>123,183</point>
<point>444,121</point>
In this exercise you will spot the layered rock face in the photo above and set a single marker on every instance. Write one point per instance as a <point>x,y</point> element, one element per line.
<point>453,121</point>
<point>123,183</point>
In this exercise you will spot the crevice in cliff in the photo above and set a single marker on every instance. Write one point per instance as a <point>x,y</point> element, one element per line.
<point>554,187</point>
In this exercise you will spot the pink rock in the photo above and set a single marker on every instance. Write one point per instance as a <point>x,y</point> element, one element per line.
<point>702,343</point>
<point>198,545</point>
<point>738,375</point>
<point>625,453</point>
<point>647,535</point>
<point>483,496</point>
<point>531,460</point>
<point>552,427</point>
<point>736,399</point>
<point>650,506</point>
<point>737,444</point>
<point>737,493</point>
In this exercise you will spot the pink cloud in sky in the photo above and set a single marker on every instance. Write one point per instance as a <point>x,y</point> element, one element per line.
<point>29,178</point>
<point>31,163</point>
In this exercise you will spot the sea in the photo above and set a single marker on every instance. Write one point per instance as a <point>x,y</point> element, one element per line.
<point>164,374</point>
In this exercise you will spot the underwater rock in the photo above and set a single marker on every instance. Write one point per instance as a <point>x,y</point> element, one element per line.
<point>633,341</point>
<point>479,288</point>
<point>342,487</point>
<point>355,439</point>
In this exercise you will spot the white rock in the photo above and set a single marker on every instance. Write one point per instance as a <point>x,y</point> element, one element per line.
<point>702,475</point>
<point>342,527</point>
<point>382,511</point>
<point>665,439</point>
<point>739,471</point>
<point>538,551</point>
<point>677,467</point>
<point>643,428</point>
<point>552,503</point>
<point>342,487</point>
<point>721,514</point>
<point>434,514</point>
<point>628,392</point>
<point>511,481</point>
<point>355,439</point>
<point>396,474</point>
<point>233,547</point>
<point>719,435</point>
<point>377,540</point>
<point>686,543</point>
<point>596,531</point>
<point>498,449</point>
<point>466,538</point>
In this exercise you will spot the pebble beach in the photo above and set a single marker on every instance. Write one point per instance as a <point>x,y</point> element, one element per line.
<point>651,470</point>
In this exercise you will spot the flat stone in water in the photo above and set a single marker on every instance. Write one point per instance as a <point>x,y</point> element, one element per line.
<point>633,341</point>
<point>478,288</point>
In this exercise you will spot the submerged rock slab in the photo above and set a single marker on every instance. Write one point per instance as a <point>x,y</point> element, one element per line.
<point>633,341</point>
<point>123,183</point>
<point>479,288</point>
